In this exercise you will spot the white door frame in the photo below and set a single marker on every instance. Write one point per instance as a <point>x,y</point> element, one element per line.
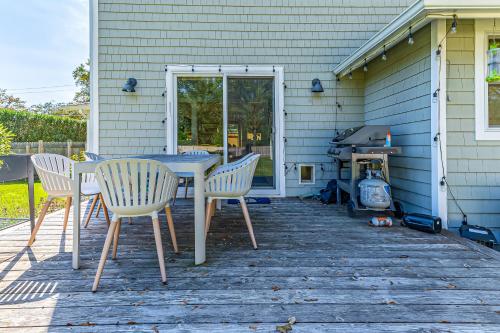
<point>174,71</point>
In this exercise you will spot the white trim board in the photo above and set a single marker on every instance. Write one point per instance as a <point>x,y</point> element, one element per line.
<point>93,123</point>
<point>438,122</point>
<point>173,71</point>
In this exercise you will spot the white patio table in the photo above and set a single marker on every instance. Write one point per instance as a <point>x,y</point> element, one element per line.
<point>196,164</point>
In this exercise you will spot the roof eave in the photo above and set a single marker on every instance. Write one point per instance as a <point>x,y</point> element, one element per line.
<point>417,15</point>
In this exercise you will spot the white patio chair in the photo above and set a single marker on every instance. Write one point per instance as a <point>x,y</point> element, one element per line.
<point>55,173</point>
<point>185,176</point>
<point>232,182</point>
<point>98,197</point>
<point>135,187</point>
<point>230,165</point>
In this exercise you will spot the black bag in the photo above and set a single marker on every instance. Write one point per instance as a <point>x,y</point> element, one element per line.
<point>422,222</point>
<point>328,195</point>
<point>479,234</point>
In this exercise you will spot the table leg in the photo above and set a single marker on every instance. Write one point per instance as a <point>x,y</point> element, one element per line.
<point>199,217</point>
<point>77,179</point>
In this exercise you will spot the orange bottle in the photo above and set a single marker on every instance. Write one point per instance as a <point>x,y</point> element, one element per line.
<point>388,139</point>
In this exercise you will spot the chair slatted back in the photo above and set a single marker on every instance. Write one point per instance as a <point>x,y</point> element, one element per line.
<point>55,173</point>
<point>230,165</point>
<point>135,183</point>
<point>235,179</point>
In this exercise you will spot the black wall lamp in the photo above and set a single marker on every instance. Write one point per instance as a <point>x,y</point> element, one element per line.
<point>129,86</point>
<point>316,86</point>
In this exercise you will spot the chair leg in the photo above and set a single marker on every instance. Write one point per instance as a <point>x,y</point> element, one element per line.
<point>214,207</point>
<point>99,206</point>
<point>66,212</point>
<point>40,220</point>
<point>92,206</point>
<point>248,221</point>
<point>104,209</point>
<point>159,249</point>
<point>208,216</point>
<point>186,185</point>
<point>116,235</point>
<point>170,222</point>
<point>104,254</point>
<point>175,195</point>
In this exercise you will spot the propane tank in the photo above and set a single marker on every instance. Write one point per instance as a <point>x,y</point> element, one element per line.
<point>375,193</point>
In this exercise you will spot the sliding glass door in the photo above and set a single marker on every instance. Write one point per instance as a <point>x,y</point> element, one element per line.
<point>231,115</point>
<point>250,123</point>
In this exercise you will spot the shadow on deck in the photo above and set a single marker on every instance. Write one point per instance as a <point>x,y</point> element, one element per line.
<point>331,272</point>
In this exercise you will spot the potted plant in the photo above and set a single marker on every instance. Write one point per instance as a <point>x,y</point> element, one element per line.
<point>493,54</point>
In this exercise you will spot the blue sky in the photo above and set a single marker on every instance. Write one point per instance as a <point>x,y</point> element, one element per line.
<point>42,42</point>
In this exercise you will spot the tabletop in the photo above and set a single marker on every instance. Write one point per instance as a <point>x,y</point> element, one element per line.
<point>176,163</point>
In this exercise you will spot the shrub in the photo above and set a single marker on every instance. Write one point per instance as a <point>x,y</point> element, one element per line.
<point>30,127</point>
<point>5,140</point>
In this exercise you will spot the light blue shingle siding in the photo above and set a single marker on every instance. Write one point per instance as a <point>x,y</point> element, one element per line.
<point>308,38</point>
<point>397,93</point>
<point>473,166</point>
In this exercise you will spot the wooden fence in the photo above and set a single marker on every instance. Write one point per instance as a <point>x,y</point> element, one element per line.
<point>67,148</point>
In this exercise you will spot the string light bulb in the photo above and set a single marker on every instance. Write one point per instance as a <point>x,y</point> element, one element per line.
<point>411,41</point>
<point>454,25</point>
<point>350,75</point>
<point>365,66</point>
<point>384,55</point>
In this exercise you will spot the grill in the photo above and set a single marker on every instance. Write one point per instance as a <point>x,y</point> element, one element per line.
<point>354,149</point>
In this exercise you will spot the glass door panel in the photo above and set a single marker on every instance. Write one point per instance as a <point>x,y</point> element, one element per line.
<point>250,124</point>
<point>199,114</point>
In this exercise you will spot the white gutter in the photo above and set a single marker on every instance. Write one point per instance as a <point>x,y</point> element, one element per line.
<point>417,15</point>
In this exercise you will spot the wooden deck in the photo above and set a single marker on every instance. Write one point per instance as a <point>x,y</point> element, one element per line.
<point>331,272</point>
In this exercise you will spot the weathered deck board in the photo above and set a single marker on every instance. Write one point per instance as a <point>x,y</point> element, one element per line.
<point>331,272</point>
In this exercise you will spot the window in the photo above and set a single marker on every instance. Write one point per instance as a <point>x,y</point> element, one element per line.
<point>306,174</point>
<point>487,92</point>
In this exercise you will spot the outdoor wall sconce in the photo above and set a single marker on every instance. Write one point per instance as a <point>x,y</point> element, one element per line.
<point>129,86</point>
<point>316,86</point>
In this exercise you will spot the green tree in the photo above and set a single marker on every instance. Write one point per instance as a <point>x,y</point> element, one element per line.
<point>200,111</point>
<point>45,108</point>
<point>10,102</point>
<point>81,75</point>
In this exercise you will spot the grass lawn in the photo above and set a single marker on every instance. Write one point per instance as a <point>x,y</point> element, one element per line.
<point>14,201</point>
<point>264,167</point>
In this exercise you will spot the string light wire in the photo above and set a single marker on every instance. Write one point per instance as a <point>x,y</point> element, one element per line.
<point>395,40</point>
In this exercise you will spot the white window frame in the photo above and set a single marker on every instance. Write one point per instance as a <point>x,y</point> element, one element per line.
<point>313,173</point>
<point>483,29</point>
<point>174,71</point>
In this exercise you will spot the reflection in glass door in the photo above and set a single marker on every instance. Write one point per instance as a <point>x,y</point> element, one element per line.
<point>248,122</point>
<point>250,105</point>
<point>199,114</point>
